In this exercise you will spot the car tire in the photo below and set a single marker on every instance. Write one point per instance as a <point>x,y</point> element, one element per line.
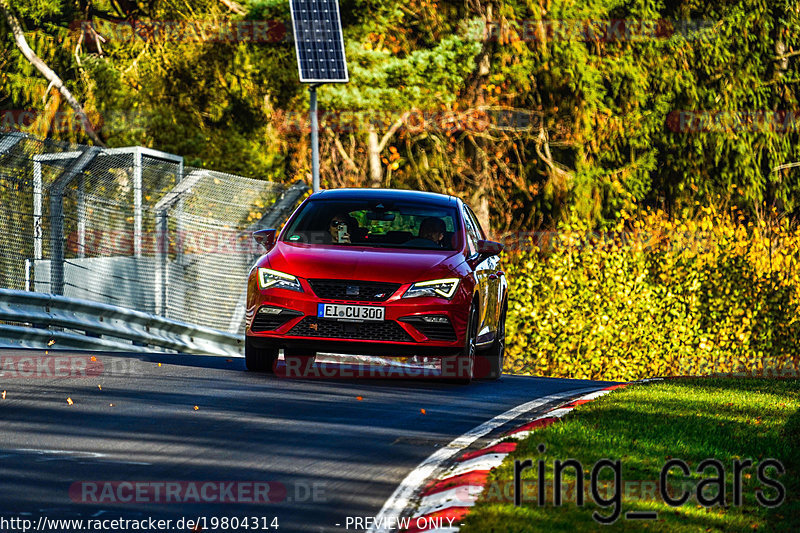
<point>259,358</point>
<point>496,353</point>
<point>465,371</point>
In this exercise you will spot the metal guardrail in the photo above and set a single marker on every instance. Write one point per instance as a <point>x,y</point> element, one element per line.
<point>96,326</point>
<point>132,227</point>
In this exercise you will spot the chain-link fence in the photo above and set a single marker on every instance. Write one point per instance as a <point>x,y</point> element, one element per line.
<point>132,227</point>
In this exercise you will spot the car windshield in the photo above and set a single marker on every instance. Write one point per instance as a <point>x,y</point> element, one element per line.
<point>377,223</point>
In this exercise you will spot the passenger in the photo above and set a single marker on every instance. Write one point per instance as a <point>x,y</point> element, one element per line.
<point>341,227</point>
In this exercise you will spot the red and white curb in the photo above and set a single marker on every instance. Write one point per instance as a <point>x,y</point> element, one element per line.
<point>446,501</point>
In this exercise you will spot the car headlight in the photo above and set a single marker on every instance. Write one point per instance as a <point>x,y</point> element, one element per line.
<point>268,278</point>
<point>443,288</point>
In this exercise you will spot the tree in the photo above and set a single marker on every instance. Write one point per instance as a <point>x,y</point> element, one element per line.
<point>46,71</point>
<point>385,85</point>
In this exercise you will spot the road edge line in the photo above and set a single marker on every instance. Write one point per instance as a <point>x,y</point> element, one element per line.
<point>401,497</point>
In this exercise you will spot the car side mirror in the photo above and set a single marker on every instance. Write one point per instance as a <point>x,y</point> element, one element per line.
<point>489,248</point>
<point>265,237</point>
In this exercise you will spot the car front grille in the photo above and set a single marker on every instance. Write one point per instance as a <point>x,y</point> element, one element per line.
<point>388,330</point>
<point>270,322</point>
<point>435,331</point>
<point>353,290</point>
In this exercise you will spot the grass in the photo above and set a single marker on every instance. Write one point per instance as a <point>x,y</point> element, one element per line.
<point>643,427</point>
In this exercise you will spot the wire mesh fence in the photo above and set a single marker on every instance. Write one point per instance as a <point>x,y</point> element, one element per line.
<point>132,227</point>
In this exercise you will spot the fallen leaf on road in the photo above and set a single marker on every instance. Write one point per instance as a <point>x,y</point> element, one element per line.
<point>69,401</point>
<point>93,359</point>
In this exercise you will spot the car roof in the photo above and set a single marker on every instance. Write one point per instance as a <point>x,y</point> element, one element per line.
<point>385,194</point>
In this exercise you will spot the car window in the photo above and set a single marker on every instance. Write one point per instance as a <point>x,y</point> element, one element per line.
<point>387,224</point>
<point>473,234</point>
<point>476,223</point>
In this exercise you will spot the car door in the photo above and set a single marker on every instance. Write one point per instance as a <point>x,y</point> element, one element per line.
<point>486,278</point>
<point>495,281</point>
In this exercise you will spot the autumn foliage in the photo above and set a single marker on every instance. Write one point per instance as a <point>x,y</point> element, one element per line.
<point>656,297</point>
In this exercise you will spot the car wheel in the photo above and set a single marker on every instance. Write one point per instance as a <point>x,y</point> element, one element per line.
<point>496,353</point>
<point>259,358</point>
<point>465,362</point>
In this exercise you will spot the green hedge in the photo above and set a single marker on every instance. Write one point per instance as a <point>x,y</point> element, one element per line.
<point>655,297</point>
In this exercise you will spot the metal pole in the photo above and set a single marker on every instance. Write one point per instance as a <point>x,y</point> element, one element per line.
<point>37,210</point>
<point>57,241</point>
<point>180,230</point>
<point>312,90</point>
<point>137,203</point>
<point>161,260</point>
<point>81,252</point>
<point>57,216</point>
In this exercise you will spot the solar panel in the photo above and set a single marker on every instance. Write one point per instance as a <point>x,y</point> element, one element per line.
<point>318,41</point>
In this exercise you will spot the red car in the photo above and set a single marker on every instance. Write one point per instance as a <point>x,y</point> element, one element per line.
<point>379,272</point>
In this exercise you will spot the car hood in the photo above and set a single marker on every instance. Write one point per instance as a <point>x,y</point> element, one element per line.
<point>362,263</point>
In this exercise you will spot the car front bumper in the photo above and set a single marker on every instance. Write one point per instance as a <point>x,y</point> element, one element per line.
<point>403,332</point>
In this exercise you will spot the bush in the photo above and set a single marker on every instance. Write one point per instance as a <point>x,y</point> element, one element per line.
<point>655,297</point>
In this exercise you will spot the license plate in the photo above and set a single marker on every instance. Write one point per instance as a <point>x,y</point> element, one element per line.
<point>350,312</point>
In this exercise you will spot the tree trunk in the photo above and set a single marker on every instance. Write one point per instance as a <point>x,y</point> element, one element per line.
<point>375,169</point>
<point>483,212</point>
<point>47,72</point>
<point>234,6</point>
<point>480,199</point>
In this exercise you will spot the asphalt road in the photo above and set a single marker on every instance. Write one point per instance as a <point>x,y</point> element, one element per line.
<point>325,453</point>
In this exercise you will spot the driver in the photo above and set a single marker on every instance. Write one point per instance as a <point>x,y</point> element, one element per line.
<point>431,233</point>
